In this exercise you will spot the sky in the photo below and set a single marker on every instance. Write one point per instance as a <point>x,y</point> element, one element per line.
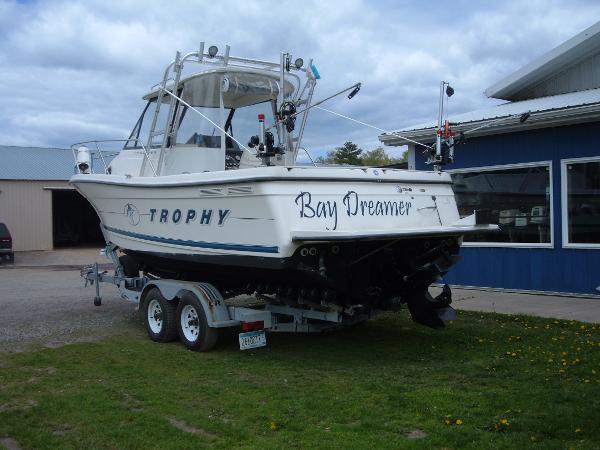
<point>75,71</point>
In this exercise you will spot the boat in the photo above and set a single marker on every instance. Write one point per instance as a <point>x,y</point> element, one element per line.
<point>207,188</point>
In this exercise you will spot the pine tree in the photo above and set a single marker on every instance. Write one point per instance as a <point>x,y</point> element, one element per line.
<point>349,153</point>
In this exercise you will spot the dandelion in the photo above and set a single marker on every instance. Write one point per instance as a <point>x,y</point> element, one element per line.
<point>274,425</point>
<point>502,425</point>
<point>450,421</point>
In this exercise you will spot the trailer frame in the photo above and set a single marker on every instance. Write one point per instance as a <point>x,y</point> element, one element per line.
<point>218,313</point>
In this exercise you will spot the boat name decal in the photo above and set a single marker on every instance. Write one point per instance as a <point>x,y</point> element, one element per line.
<point>352,206</point>
<point>204,217</point>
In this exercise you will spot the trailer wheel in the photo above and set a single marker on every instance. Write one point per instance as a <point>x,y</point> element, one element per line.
<point>159,317</point>
<point>192,325</point>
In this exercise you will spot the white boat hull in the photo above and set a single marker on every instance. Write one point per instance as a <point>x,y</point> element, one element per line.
<point>270,213</point>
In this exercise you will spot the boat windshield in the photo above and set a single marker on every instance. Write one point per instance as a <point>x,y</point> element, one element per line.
<point>139,134</point>
<point>230,99</point>
<point>240,123</point>
<point>242,95</point>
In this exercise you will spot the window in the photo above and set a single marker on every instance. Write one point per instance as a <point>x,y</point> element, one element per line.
<point>517,198</point>
<point>581,202</point>
<point>243,97</point>
<point>139,135</point>
<point>195,129</point>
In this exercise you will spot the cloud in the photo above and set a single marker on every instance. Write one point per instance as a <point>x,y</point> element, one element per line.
<point>76,71</point>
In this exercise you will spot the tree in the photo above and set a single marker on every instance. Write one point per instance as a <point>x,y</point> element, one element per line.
<point>349,153</point>
<point>377,157</point>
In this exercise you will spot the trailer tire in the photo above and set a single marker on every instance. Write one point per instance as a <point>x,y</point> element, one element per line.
<point>160,316</point>
<point>130,267</point>
<point>192,325</point>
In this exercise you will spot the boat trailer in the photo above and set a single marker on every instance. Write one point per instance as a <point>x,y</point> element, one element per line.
<point>196,311</point>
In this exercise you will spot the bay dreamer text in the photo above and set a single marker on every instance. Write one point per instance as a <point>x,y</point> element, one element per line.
<point>352,206</point>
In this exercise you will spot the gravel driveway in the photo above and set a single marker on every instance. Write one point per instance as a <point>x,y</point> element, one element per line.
<point>50,307</point>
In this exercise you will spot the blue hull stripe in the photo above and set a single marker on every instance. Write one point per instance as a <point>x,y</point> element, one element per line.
<point>198,244</point>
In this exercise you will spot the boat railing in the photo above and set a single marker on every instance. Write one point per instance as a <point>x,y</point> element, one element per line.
<point>107,155</point>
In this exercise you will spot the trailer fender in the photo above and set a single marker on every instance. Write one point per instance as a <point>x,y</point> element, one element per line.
<point>217,313</point>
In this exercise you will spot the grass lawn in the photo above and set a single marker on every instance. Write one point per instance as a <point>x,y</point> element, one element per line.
<point>486,381</point>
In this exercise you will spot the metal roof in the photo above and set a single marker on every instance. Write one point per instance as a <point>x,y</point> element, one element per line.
<point>556,60</point>
<point>555,110</point>
<point>35,163</point>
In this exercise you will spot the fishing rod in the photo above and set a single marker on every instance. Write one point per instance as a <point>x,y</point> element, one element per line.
<point>355,88</point>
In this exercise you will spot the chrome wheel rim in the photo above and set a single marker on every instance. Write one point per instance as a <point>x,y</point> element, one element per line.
<point>155,319</point>
<point>190,323</point>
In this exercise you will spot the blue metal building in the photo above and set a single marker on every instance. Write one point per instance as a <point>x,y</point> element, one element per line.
<point>538,179</point>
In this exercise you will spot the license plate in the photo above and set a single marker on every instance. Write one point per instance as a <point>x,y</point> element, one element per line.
<point>253,339</point>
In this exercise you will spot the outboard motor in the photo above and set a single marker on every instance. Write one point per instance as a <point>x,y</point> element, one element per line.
<point>84,160</point>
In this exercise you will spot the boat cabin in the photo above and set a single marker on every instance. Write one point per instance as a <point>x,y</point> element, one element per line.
<point>213,118</point>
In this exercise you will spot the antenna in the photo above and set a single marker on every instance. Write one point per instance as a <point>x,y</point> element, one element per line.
<point>443,152</point>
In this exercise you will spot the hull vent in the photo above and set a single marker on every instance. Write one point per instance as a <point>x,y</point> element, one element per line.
<point>239,190</point>
<point>210,192</point>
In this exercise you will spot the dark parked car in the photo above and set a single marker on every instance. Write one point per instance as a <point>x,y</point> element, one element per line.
<point>6,251</point>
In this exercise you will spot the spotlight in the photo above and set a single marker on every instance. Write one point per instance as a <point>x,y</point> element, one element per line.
<point>354,91</point>
<point>212,51</point>
<point>84,159</point>
<point>299,63</point>
<point>449,91</point>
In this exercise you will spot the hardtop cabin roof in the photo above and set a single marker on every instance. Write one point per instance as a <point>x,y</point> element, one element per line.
<point>241,86</point>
